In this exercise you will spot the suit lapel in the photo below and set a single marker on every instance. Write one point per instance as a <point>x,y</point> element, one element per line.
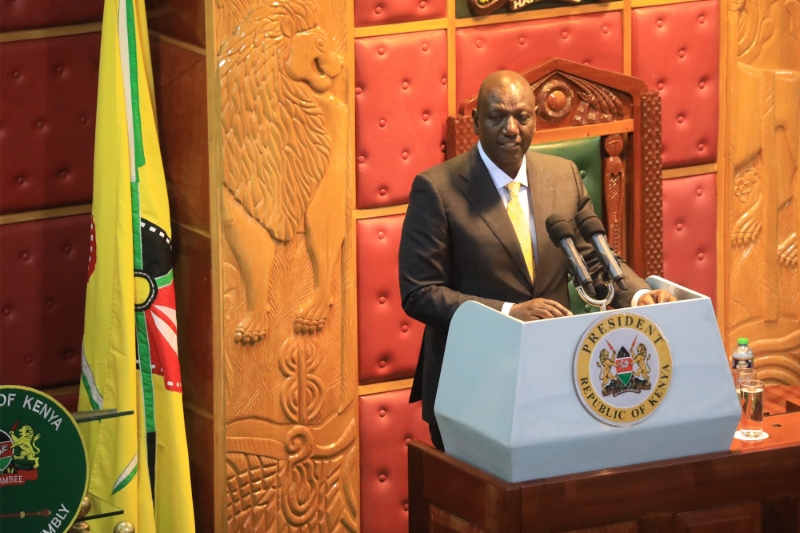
<point>542,201</point>
<point>482,194</point>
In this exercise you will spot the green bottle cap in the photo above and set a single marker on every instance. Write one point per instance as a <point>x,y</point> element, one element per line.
<point>743,341</point>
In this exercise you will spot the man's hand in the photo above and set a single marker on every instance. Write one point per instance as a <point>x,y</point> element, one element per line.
<point>538,308</point>
<point>656,297</point>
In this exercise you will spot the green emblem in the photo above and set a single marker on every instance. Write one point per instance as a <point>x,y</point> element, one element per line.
<point>43,466</point>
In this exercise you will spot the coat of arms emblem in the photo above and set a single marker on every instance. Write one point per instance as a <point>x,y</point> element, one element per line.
<point>623,369</point>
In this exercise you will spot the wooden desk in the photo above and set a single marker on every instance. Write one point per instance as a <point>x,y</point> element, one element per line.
<point>754,487</point>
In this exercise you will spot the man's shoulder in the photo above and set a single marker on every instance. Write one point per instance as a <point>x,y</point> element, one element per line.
<point>447,173</point>
<point>548,161</point>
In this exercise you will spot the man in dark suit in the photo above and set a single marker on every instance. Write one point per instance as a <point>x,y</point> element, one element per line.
<point>475,230</point>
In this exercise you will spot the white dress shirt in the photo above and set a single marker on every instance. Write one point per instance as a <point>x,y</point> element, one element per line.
<point>501,179</point>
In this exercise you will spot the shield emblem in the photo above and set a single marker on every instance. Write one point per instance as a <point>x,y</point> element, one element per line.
<point>624,365</point>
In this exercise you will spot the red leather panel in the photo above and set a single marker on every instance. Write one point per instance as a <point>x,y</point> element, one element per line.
<point>371,12</point>
<point>401,112</point>
<point>387,421</point>
<point>594,39</point>
<point>42,294</point>
<point>690,232</point>
<point>27,14</point>
<point>388,340</point>
<point>47,111</point>
<point>68,400</point>
<point>675,50</point>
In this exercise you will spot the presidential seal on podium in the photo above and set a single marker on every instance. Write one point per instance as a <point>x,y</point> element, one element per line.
<point>623,369</point>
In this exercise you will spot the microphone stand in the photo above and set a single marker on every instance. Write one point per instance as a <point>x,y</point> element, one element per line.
<point>602,304</point>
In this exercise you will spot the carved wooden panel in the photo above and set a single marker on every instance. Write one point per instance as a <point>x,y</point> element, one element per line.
<point>761,190</point>
<point>290,368</point>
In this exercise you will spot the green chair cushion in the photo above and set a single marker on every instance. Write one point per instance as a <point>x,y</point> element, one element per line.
<point>585,153</point>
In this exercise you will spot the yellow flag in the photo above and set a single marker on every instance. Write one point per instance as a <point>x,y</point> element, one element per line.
<point>138,463</point>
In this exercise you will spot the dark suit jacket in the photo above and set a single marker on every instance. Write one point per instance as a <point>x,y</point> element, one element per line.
<point>458,244</point>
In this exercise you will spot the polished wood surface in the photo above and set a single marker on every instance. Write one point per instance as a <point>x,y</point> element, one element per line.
<point>760,184</point>
<point>751,488</point>
<point>289,385</point>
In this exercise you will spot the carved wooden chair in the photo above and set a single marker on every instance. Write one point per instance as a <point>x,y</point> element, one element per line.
<point>609,124</point>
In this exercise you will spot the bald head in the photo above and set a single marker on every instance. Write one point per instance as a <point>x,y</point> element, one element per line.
<point>503,79</point>
<point>504,119</point>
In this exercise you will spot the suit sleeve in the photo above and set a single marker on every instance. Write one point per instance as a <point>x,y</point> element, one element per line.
<point>590,257</point>
<point>425,270</point>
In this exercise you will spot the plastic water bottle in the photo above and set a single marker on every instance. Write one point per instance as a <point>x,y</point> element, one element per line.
<point>743,356</point>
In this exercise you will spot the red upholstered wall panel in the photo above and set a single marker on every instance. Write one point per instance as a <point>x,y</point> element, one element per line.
<point>676,50</point>
<point>592,39</point>
<point>47,112</point>
<point>370,12</point>
<point>26,14</point>
<point>44,267</point>
<point>387,422</point>
<point>401,111</point>
<point>690,232</point>
<point>388,340</point>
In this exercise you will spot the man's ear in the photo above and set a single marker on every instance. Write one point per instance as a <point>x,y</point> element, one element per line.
<point>475,120</point>
<point>287,27</point>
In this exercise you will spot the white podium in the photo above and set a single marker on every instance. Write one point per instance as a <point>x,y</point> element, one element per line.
<point>508,403</point>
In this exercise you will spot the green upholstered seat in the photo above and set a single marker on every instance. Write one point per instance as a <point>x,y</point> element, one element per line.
<point>585,153</point>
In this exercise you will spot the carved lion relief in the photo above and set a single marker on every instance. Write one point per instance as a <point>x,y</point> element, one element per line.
<point>764,189</point>
<point>291,450</point>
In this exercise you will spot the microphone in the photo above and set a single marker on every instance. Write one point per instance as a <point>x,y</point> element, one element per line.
<point>561,234</point>
<point>592,230</point>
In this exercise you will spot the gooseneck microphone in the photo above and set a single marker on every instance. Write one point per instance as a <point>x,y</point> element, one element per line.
<point>561,234</point>
<point>592,231</point>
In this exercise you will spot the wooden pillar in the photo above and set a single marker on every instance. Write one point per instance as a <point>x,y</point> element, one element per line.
<point>760,184</point>
<point>256,130</point>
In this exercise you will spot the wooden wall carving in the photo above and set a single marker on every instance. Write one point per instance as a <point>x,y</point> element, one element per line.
<point>762,184</point>
<point>289,359</point>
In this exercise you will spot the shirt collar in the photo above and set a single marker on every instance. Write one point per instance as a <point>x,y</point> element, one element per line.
<point>500,178</point>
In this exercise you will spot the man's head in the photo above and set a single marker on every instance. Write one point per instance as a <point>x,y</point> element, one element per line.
<point>505,119</point>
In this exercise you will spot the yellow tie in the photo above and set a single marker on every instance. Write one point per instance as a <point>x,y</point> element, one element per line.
<point>521,228</point>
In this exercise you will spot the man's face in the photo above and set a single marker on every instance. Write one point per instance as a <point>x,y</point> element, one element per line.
<point>505,122</point>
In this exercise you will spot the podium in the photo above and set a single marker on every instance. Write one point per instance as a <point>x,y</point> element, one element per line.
<point>509,402</point>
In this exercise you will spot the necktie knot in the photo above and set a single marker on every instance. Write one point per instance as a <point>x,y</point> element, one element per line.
<point>513,189</point>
